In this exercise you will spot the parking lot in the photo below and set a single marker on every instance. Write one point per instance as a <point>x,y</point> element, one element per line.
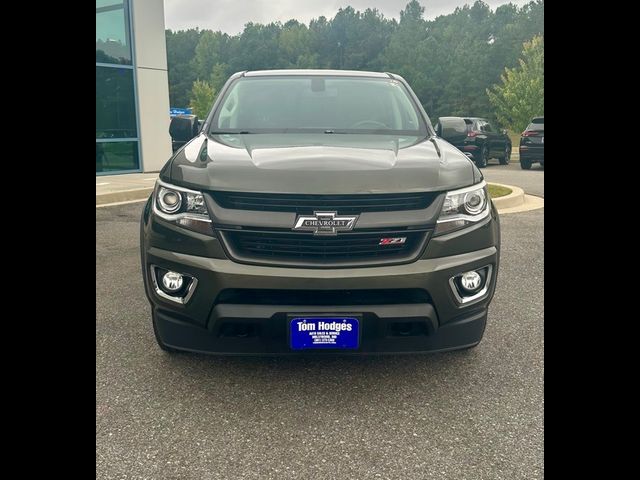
<point>475,414</point>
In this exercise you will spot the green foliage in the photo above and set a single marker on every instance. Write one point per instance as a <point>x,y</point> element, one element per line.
<point>521,95</point>
<point>181,47</point>
<point>449,61</point>
<point>219,76</point>
<point>202,96</point>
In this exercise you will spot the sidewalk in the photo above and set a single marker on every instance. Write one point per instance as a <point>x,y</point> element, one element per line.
<point>124,188</point>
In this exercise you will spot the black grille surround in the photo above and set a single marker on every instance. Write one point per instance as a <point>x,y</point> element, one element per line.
<point>305,203</point>
<point>267,238</point>
<point>304,249</point>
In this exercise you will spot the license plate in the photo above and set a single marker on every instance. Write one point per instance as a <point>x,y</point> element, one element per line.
<point>324,332</point>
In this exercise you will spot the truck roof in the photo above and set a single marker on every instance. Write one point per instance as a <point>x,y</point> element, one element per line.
<point>336,73</point>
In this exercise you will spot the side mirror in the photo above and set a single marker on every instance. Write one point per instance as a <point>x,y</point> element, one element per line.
<point>183,128</point>
<point>438,129</point>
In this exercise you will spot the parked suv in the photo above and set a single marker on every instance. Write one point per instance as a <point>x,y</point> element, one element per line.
<point>532,144</point>
<point>316,211</point>
<point>477,138</point>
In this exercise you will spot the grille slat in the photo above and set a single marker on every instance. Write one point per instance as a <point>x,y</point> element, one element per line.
<point>311,244</point>
<point>345,204</point>
<point>319,250</point>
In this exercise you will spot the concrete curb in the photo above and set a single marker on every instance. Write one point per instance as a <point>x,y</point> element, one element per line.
<point>515,198</point>
<point>531,202</point>
<point>516,201</point>
<point>124,195</point>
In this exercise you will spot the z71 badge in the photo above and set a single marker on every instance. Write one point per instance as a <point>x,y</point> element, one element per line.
<point>393,241</point>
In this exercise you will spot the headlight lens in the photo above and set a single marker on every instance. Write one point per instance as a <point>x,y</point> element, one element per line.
<point>183,207</point>
<point>462,208</point>
<point>169,200</point>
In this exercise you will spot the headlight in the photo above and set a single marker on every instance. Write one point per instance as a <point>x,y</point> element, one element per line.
<point>169,200</point>
<point>463,207</point>
<point>182,206</point>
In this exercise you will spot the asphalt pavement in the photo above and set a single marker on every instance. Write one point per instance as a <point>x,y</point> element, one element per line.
<point>531,181</point>
<point>475,414</point>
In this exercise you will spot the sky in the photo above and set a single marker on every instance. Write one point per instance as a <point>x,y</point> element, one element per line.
<point>230,16</point>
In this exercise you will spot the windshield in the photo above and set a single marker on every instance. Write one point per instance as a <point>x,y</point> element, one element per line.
<point>317,104</point>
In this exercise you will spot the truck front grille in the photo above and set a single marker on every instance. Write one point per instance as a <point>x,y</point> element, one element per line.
<point>307,250</point>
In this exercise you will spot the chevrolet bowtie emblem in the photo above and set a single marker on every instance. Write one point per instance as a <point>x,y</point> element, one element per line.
<point>325,223</point>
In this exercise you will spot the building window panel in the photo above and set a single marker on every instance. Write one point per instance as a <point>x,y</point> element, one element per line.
<point>115,103</point>
<point>113,44</point>
<point>116,156</point>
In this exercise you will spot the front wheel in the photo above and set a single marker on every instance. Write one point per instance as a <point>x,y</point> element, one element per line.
<point>484,157</point>
<point>504,160</point>
<point>525,164</point>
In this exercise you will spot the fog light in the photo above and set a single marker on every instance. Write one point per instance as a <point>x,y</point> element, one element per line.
<point>172,281</point>
<point>473,286</point>
<point>471,281</point>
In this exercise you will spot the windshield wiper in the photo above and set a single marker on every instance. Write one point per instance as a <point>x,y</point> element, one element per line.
<point>228,132</point>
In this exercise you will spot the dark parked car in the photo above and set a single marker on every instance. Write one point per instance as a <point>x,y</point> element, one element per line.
<point>316,211</point>
<point>532,144</point>
<point>477,138</point>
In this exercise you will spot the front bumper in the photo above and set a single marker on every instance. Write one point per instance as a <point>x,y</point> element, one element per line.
<point>243,309</point>
<point>231,294</point>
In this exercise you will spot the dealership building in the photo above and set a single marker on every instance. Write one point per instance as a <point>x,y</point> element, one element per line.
<point>132,87</point>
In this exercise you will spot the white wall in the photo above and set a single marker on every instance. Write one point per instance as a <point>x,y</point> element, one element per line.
<point>152,82</point>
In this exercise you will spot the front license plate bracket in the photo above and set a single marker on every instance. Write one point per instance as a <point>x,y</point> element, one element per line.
<point>335,331</point>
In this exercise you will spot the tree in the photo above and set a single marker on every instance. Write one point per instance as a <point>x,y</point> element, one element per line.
<point>404,53</point>
<point>219,75</point>
<point>521,95</point>
<point>212,48</point>
<point>202,96</point>
<point>449,61</point>
<point>181,47</point>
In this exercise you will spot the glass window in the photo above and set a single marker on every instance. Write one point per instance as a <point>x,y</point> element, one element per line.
<point>316,103</point>
<point>470,124</point>
<point>114,156</point>
<point>452,126</point>
<point>485,126</point>
<point>112,32</point>
<point>536,126</point>
<point>115,104</point>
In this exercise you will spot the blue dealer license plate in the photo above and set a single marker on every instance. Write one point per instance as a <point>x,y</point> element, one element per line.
<point>324,332</point>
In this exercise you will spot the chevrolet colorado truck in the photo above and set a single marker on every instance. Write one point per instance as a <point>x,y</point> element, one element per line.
<point>316,212</point>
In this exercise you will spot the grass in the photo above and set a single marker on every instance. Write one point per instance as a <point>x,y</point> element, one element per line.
<point>496,191</point>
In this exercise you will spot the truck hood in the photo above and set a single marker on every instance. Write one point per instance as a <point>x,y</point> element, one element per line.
<point>320,164</point>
